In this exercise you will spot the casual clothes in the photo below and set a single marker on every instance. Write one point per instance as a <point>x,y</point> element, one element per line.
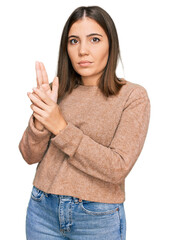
<point>51,216</point>
<point>91,157</point>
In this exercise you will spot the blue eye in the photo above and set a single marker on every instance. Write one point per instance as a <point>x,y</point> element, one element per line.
<point>73,41</point>
<point>95,39</point>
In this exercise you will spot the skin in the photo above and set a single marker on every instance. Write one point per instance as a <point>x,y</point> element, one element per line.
<point>45,109</point>
<point>86,41</point>
<point>42,82</point>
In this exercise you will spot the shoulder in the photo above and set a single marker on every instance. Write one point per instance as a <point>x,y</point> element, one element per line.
<point>134,90</point>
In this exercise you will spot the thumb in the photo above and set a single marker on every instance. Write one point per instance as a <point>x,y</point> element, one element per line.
<point>55,86</point>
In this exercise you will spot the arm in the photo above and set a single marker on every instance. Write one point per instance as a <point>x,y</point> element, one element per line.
<point>34,143</point>
<point>35,139</point>
<point>113,163</point>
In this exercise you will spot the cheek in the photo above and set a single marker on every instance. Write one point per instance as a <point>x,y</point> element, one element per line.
<point>70,54</point>
<point>102,56</point>
<point>73,57</point>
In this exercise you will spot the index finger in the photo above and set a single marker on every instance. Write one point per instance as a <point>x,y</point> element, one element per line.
<point>38,74</point>
<point>44,73</point>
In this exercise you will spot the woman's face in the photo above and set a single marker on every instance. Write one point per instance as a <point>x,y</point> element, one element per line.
<point>88,49</point>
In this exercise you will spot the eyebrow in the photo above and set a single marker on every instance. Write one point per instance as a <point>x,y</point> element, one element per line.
<point>91,34</point>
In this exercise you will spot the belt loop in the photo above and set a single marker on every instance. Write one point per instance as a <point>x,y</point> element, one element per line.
<point>46,194</point>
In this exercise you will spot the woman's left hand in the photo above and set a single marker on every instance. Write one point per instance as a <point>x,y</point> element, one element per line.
<point>46,111</point>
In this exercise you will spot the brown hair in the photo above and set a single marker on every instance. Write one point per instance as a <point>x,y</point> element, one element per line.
<point>109,84</point>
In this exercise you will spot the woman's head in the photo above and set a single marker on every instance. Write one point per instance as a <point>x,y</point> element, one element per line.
<point>88,49</point>
<point>77,44</point>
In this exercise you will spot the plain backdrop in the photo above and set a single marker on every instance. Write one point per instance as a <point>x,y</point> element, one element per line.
<point>30,31</point>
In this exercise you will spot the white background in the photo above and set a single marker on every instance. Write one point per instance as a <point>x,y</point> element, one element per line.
<point>30,31</point>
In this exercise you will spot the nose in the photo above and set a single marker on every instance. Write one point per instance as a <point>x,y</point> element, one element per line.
<point>83,48</point>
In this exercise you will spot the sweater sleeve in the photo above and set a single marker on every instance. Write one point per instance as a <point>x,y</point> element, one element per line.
<point>113,163</point>
<point>34,143</point>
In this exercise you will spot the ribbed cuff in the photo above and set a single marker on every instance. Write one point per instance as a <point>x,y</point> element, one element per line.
<point>35,133</point>
<point>68,139</point>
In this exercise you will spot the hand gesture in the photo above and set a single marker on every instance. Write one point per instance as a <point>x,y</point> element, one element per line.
<point>46,111</point>
<point>42,82</point>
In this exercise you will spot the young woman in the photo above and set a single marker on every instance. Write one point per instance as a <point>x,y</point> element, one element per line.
<point>86,132</point>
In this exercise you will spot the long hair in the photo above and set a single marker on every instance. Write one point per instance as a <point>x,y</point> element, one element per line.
<point>69,79</point>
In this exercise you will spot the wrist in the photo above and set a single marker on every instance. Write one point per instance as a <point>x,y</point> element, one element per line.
<point>61,127</point>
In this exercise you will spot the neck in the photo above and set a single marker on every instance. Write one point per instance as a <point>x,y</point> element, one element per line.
<point>90,80</point>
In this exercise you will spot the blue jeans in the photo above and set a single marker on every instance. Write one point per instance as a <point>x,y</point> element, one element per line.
<point>52,217</point>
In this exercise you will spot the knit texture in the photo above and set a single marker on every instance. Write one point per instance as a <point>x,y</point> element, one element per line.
<point>91,157</point>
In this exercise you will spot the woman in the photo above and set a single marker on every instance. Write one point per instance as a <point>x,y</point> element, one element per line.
<point>86,132</point>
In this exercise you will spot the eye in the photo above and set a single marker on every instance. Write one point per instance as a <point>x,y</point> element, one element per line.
<point>95,39</point>
<point>73,41</point>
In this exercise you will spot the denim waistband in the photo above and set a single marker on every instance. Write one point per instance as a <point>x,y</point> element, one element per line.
<point>70,198</point>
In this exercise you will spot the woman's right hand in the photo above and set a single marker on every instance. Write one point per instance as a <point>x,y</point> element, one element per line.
<point>42,82</point>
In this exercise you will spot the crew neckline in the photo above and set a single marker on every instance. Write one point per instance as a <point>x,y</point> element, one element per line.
<point>88,86</point>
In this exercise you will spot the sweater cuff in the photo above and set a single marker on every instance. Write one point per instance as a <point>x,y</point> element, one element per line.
<point>35,133</point>
<point>68,139</point>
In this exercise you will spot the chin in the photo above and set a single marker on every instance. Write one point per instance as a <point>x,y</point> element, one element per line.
<point>85,73</point>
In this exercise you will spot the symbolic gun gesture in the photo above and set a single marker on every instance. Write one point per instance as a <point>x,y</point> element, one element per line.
<point>45,109</point>
<point>42,82</point>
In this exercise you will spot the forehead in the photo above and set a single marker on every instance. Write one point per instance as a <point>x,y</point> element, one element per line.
<point>85,26</point>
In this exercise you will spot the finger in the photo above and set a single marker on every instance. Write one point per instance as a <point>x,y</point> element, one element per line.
<point>35,96</point>
<point>36,101</point>
<point>55,87</point>
<point>39,118</point>
<point>38,74</point>
<point>44,97</point>
<point>37,110</point>
<point>44,73</point>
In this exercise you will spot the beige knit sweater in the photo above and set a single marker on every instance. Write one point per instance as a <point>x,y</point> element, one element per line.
<point>91,157</point>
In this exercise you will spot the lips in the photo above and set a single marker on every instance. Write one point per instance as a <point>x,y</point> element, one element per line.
<point>84,63</point>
